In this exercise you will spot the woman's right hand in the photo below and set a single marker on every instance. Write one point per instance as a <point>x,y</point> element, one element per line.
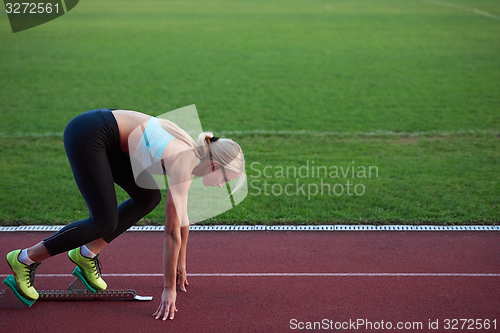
<point>167,307</point>
<point>182,281</point>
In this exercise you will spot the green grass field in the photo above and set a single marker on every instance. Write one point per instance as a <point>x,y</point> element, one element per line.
<point>410,88</point>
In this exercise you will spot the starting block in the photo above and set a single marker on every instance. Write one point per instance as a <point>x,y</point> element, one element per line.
<point>78,290</point>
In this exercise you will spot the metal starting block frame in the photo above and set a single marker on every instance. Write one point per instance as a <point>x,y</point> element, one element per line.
<point>76,291</point>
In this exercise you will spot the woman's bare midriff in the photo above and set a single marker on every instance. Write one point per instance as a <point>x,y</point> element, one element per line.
<point>128,121</point>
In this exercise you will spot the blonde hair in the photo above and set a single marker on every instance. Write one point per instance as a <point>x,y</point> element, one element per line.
<point>225,151</point>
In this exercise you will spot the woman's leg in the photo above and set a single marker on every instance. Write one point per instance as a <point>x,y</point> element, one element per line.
<point>87,138</point>
<point>142,200</point>
<point>38,252</point>
<point>97,245</point>
<point>87,145</point>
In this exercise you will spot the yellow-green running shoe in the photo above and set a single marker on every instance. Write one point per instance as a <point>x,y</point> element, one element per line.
<point>91,268</point>
<point>24,275</point>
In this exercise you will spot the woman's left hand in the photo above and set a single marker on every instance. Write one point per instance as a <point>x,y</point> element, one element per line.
<point>167,307</point>
<point>182,281</point>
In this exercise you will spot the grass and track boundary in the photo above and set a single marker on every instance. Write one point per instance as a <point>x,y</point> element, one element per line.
<point>42,228</point>
<point>407,88</point>
<point>417,180</point>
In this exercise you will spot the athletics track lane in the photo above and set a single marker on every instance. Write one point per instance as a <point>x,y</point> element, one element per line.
<point>267,304</point>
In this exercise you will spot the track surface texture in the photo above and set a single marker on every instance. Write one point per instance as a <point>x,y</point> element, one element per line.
<point>281,303</point>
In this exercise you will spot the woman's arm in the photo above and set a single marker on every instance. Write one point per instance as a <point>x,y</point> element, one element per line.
<point>171,247</point>
<point>172,243</point>
<point>181,266</point>
<point>175,216</point>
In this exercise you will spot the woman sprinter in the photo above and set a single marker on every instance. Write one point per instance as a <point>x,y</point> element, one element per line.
<point>99,145</point>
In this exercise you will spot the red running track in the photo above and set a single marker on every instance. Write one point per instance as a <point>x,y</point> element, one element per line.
<point>271,303</point>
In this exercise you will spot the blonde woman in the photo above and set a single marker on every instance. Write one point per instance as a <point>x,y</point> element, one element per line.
<point>99,145</point>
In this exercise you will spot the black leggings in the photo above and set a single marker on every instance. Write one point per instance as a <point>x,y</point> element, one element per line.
<point>92,143</point>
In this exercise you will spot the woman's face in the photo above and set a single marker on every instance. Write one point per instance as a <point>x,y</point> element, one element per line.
<point>216,178</point>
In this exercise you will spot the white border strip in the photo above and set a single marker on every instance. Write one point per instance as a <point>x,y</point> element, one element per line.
<point>284,228</point>
<point>287,274</point>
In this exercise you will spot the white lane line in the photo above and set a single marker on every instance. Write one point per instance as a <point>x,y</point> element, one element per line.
<point>467,9</point>
<point>288,274</point>
<point>344,274</point>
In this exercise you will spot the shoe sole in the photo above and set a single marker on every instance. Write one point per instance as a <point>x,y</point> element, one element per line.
<point>80,276</point>
<point>83,275</point>
<point>17,284</point>
<point>11,283</point>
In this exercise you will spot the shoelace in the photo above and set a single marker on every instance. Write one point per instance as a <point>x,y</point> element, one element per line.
<point>97,264</point>
<point>31,273</point>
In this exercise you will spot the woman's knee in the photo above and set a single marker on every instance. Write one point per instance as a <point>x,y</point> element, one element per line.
<point>146,201</point>
<point>106,223</point>
<point>155,198</point>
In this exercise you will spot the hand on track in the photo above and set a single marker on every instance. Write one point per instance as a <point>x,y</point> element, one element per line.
<point>167,307</point>
<point>182,281</point>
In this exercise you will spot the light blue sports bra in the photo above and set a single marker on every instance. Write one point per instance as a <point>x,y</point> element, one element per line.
<point>153,141</point>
